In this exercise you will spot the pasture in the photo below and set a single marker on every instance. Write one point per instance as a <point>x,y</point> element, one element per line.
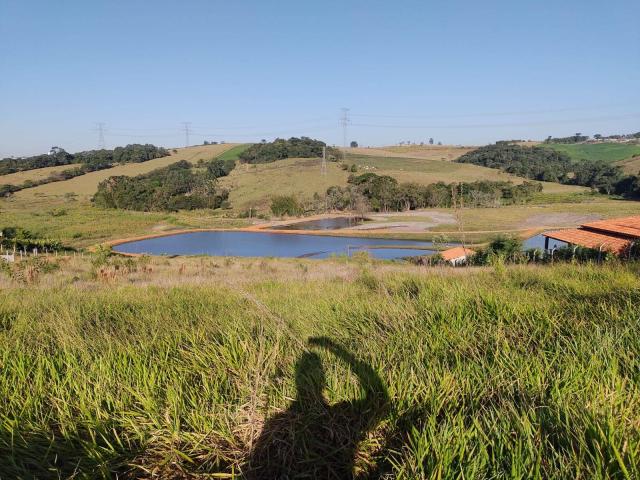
<point>429,152</point>
<point>427,171</point>
<point>603,152</point>
<point>34,175</point>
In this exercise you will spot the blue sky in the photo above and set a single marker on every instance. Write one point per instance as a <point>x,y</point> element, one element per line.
<point>462,72</point>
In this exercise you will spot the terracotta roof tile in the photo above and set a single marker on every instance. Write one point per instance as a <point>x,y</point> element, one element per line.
<point>456,252</point>
<point>589,239</point>
<point>626,226</point>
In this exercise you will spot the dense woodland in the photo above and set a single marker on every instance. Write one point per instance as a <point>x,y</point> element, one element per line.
<point>180,186</point>
<point>544,164</point>
<point>90,161</point>
<point>280,149</point>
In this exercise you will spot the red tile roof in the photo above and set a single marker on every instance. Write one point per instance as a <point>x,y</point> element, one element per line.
<point>456,252</point>
<point>589,239</point>
<point>625,226</point>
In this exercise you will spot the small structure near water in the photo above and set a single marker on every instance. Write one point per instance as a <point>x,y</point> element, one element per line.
<point>457,255</point>
<point>617,235</point>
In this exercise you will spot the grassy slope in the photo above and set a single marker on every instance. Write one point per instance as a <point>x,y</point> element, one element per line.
<point>427,171</point>
<point>85,186</point>
<point>254,185</point>
<point>607,152</point>
<point>433,152</point>
<point>74,221</point>
<point>630,166</point>
<point>19,178</point>
<point>514,373</point>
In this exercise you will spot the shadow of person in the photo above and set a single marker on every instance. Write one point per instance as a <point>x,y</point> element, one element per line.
<point>312,438</point>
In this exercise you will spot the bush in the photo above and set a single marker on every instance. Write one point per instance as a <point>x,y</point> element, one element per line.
<point>285,205</point>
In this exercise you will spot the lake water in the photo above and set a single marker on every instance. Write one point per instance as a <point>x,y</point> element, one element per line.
<point>538,242</point>
<point>321,224</point>
<point>259,244</point>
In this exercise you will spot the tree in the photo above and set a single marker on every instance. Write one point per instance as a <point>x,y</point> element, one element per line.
<point>431,141</point>
<point>353,144</point>
<point>285,205</point>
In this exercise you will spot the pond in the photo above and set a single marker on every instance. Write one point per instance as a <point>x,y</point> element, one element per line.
<point>322,224</point>
<point>264,244</point>
<point>538,242</point>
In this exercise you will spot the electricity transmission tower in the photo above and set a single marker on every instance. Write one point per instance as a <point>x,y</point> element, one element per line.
<point>100,129</point>
<point>344,121</point>
<point>323,168</point>
<point>186,128</point>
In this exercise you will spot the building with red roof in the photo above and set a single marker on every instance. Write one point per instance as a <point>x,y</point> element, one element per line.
<point>616,235</point>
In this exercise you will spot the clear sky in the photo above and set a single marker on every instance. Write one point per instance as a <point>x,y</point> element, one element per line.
<point>462,72</point>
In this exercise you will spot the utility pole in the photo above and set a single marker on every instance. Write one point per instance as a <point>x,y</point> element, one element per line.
<point>323,168</point>
<point>344,121</point>
<point>186,128</point>
<point>100,129</point>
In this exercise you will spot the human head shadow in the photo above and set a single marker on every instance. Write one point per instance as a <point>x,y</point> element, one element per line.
<point>313,438</point>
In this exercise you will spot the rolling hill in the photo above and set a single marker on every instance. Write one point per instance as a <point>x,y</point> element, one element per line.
<point>606,152</point>
<point>34,175</point>
<point>86,185</point>
<point>254,185</point>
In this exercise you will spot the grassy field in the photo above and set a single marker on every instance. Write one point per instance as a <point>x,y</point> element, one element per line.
<point>211,368</point>
<point>427,171</point>
<point>631,165</point>
<point>34,175</point>
<point>606,152</point>
<point>85,186</point>
<point>429,152</point>
<point>77,223</point>
<point>254,185</point>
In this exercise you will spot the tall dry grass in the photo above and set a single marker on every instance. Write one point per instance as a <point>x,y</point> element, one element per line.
<point>511,373</point>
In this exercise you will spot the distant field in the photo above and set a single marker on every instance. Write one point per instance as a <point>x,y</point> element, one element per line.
<point>86,185</point>
<point>430,171</point>
<point>234,153</point>
<point>431,152</point>
<point>606,152</point>
<point>19,178</point>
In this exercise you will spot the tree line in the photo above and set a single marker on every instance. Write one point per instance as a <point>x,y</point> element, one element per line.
<point>544,164</point>
<point>579,138</point>
<point>179,186</point>
<point>132,153</point>
<point>294,147</point>
<point>90,161</point>
<point>383,193</point>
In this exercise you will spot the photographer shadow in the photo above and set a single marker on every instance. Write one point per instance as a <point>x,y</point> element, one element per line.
<point>315,439</point>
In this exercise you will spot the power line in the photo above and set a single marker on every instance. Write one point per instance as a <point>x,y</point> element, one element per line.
<point>493,114</point>
<point>186,126</point>
<point>505,125</point>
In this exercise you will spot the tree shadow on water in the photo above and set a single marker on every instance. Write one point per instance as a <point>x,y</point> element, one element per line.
<point>315,439</point>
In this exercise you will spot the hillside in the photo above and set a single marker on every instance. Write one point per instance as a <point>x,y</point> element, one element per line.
<point>254,185</point>
<point>34,175</point>
<point>430,152</point>
<point>604,152</point>
<point>86,185</point>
